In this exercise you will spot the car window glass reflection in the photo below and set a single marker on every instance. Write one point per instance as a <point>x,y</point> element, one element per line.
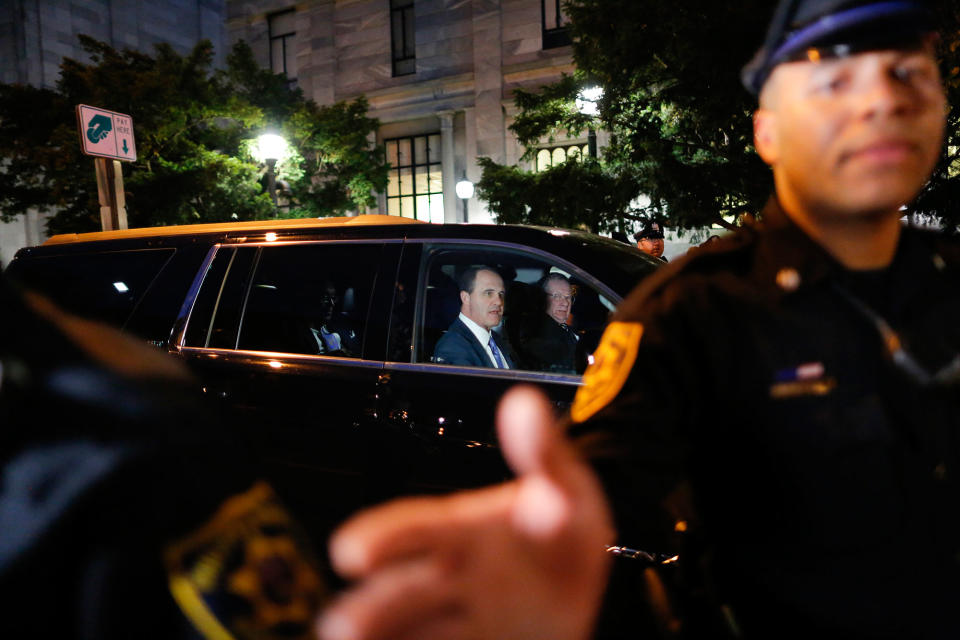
<point>105,286</point>
<point>310,299</point>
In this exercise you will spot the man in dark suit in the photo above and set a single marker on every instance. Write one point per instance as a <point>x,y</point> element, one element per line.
<point>332,333</point>
<point>553,345</point>
<point>470,340</point>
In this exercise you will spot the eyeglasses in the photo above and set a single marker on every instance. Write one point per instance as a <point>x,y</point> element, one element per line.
<point>559,296</point>
<point>326,297</point>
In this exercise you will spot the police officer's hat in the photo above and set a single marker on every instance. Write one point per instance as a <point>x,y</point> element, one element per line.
<point>817,29</point>
<point>651,230</point>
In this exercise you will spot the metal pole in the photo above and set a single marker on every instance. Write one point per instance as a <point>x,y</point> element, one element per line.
<point>592,142</point>
<point>113,205</point>
<point>272,181</point>
<point>466,216</point>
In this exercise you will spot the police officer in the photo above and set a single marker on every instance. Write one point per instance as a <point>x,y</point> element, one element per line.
<point>823,435</point>
<point>650,240</point>
<point>124,510</point>
<point>805,466</point>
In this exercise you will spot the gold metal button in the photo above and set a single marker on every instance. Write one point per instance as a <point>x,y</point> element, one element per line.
<point>788,279</point>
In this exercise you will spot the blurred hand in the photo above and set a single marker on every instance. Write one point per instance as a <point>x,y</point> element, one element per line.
<point>521,560</point>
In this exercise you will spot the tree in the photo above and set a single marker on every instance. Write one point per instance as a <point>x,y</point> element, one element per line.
<point>194,129</point>
<point>575,195</point>
<point>680,122</point>
<point>939,200</point>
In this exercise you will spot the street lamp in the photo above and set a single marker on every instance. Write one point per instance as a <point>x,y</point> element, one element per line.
<point>270,148</point>
<point>587,102</point>
<point>464,189</point>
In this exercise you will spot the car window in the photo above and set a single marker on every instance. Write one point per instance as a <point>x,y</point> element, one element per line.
<point>215,317</point>
<point>156,314</point>
<point>549,319</point>
<point>310,298</point>
<point>104,286</point>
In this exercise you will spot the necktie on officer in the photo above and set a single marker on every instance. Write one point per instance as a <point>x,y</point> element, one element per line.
<point>496,353</point>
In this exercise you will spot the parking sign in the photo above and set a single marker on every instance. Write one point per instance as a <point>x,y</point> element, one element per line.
<point>107,134</point>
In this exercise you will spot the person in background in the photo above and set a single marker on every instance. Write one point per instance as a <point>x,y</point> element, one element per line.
<point>333,333</point>
<point>650,240</point>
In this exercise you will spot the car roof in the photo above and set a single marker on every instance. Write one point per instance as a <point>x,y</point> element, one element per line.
<point>227,227</point>
<point>617,264</point>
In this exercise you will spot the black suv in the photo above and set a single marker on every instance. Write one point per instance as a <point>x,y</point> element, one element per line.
<point>372,416</point>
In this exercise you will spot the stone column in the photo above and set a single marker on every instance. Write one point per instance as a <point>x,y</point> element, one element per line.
<point>488,91</point>
<point>488,78</point>
<point>317,53</point>
<point>470,158</point>
<point>448,170</point>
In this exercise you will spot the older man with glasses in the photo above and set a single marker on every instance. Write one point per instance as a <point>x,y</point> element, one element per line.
<point>552,345</point>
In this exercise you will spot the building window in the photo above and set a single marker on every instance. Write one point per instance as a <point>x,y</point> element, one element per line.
<point>415,183</point>
<point>555,31</point>
<point>401,36</point>
<point>283,58</point>
<point>547,158</point>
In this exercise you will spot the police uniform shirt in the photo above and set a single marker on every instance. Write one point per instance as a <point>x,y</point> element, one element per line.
<point>742,396</point>
<point>126,510</point>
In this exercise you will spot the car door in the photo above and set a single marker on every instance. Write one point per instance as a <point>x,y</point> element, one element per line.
<point>447,411</point>
<point>288,340</point>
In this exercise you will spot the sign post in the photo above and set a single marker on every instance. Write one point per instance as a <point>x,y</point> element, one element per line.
<point>108,136</point>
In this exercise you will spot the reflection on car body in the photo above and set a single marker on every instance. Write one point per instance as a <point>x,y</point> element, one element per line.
<point>315,337</point>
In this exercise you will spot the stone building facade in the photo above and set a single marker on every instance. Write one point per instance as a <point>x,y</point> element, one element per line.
<point>439,75</point>
<point>35,35</point>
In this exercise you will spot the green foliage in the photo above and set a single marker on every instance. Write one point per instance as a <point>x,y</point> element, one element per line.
<point>940,198</point>
<point>549,112</point>
<point>194,128</point>
<point>334,144</point>
<point>680,123</point>
<point>679,119</point>
<point>575,195</point>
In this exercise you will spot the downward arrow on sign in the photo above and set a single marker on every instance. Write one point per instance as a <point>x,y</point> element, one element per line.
<point>125,149</point>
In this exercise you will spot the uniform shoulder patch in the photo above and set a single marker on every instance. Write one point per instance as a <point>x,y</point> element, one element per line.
<point>247,573</point>
<point>613,361</point>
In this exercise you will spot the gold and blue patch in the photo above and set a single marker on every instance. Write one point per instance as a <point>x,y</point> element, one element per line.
<point>808,379</point>
<point>612,362</point>
<point>248,573</point>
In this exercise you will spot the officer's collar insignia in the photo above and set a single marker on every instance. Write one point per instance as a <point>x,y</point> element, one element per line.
<point>246,574</point>
<point>613,361</point>
<point>808,379</point>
